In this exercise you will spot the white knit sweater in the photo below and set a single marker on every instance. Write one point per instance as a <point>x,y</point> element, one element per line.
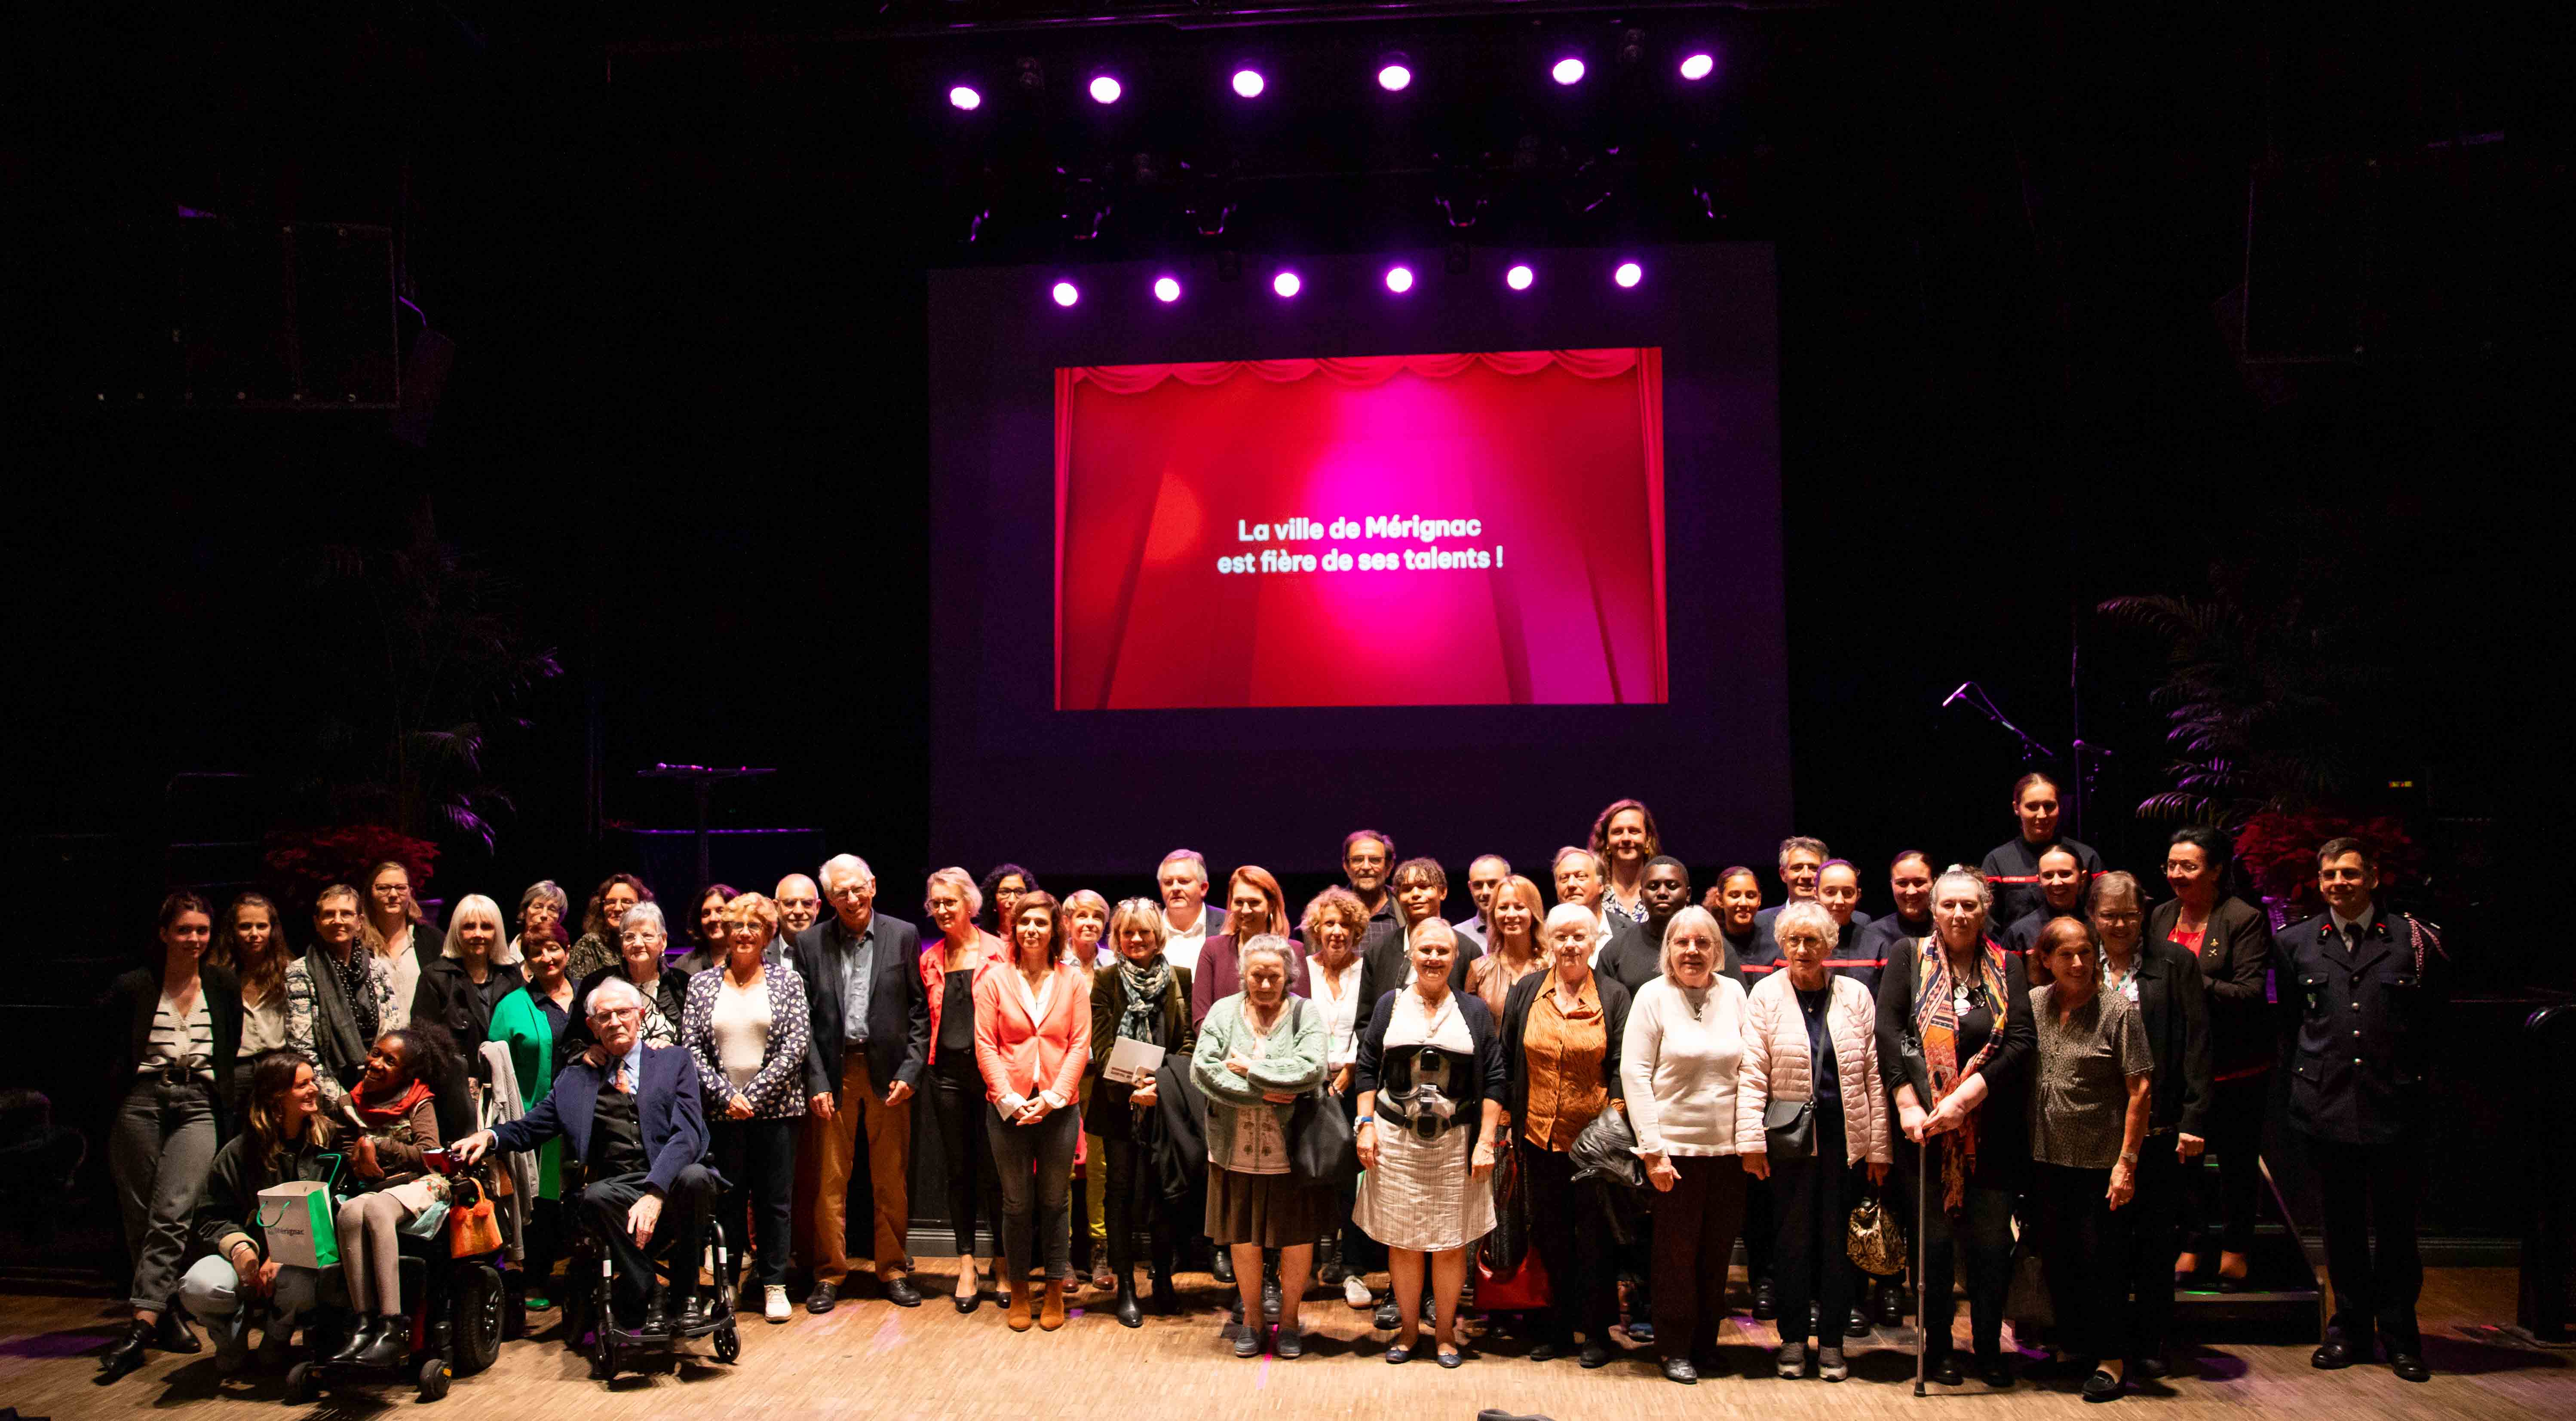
<point>1679,1067</point>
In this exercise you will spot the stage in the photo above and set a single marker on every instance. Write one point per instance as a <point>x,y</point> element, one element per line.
<point>871,1359</point>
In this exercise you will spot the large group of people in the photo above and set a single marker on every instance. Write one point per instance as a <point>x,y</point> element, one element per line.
<point>2024,1057</point>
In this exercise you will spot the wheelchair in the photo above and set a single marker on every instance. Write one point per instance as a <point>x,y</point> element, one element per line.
<point>614,1347</point>
<point>458,1310</point>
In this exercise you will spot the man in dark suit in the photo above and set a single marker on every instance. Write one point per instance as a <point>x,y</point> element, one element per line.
<point>2366,989</point>
<point>862,1064</point>
<point>637,1126</point>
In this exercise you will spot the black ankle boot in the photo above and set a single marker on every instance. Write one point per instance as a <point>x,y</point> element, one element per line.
<point>1130,1312</point>
<point>1167,1299</point>
<point>173,1334</point>
<point>362,1332</point>
<point>127,1354</point>
<point>388,1343</point>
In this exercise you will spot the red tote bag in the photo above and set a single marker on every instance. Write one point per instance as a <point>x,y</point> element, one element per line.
<point>1524,1291</point>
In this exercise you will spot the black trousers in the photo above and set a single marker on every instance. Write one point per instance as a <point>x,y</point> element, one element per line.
<point>1573,1240</point>
<point>1696,1222</point>
<point>2371,1193</point>
<point>1357,1252</point>
<point>1135,1198</point>
<point>2084,1251</point>
<point>957,1106</point>
<point>2222,1201</point>
<point>1761,1231</point>
<point>1035,1167</point>
<point>1981,1238</point>
<point>2153,1218</point>
<point>1812,1199</point>
<point>758,1161</point>
<point>679,1235</point>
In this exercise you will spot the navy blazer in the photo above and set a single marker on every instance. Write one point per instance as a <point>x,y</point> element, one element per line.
<point>2384,1004</point>
<point>668,1113</point>
<point>898,1007</point>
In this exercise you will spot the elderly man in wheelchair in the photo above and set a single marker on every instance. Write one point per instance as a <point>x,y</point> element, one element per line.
<point>636,1123</point>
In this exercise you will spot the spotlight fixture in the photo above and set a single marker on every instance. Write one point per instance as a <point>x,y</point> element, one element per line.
<point>1519,277</point>
<point>1628,274</point>
<point>964,96</point>
<point>1166,290</point>
<point>1104,89</point>
<point>1699,66</point>
<point>1399,279</point>
<point>1248,83</point>
<point>1394,71</point>
<point>1065,293</point>
<point>1568,70</point>
<point>1286,284</point>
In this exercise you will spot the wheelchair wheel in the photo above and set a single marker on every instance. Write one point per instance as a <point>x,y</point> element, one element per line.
<point>728,1342</point>
<point>479,1306</point>
<point>433,1379</point>
<point>300,1386</point>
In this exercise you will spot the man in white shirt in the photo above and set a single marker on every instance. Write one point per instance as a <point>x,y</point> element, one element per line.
<point>1182,879</point>
<point>1483,877</point>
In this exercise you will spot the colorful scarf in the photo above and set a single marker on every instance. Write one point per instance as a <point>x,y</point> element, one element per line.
<point>385,1117</point>
<point>1936,1023</point>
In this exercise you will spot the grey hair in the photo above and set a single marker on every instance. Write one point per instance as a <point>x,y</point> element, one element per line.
<point>963,882</point>
<point>549,891</point>
<point>844,863</point>
<point>1189,856</point>
<point>2115,881</point>
<point>1564,913</point>
<point>1960,873</point>
<point>1690,919</point>
<point>1495,859</point>
<point>477,905</point>
<point>1570,851</point>
<point>617,985</point>
<point>649,911</point>
<point>1270,943</point>
<point>1811,916</point>
<point>1414,936</point>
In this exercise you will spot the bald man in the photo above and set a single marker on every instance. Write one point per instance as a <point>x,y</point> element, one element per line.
<point>800,902</point>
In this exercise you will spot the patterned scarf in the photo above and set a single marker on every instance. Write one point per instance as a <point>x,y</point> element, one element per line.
<point>1936,1022</point>
<point>1143,1018</point>
<point>357,985</point>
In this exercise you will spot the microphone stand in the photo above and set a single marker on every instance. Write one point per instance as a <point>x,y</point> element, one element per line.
<point>1974,696</point>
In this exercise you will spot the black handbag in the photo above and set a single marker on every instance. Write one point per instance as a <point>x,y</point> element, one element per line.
<point>1502,1250</point>
<point>1323,1149</point>
<point>1789,1129</point>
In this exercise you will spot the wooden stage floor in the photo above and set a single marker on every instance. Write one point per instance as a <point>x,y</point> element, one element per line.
<point>870,1359</point>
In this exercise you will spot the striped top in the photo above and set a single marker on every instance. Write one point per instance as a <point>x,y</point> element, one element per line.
<point>181,1040</point>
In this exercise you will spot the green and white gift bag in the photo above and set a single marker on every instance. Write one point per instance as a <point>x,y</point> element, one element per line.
<point>297,1218</point>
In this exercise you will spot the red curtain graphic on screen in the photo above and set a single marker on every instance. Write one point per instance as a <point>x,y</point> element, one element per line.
<point>1474,529</point>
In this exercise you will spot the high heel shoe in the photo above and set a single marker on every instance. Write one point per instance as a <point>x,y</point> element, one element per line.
<point>1130,1312</point>
<point>127,1354</point>
<point>973,1296</point>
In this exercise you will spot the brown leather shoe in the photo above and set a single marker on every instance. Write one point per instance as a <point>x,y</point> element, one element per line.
<point>1051,1313</point>
<point>1018,1315</point>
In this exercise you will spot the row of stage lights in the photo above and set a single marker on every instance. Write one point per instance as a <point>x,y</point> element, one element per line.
<point>1394,74</point>
<point>1520,276</point>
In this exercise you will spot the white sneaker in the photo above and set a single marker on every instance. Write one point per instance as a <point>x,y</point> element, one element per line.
<point>1357,1293</point>
<point>773,1302</point>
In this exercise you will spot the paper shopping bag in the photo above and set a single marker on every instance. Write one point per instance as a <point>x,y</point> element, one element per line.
<point>297,1219</point>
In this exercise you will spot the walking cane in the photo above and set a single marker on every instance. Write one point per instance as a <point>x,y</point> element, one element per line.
<point>1922,1284</point>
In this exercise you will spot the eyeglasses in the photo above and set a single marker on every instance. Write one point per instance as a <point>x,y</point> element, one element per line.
<point>618,1014</point>
<point>2115,917</point>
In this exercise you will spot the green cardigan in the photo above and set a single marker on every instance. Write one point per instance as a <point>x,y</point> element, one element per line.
<point>1295,1064</point>
<point>518,1023</point>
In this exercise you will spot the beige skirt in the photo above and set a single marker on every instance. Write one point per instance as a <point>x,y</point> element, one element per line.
<point>1420,1196</point>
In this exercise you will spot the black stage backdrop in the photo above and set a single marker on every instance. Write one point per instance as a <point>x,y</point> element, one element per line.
<point>1281,786</point>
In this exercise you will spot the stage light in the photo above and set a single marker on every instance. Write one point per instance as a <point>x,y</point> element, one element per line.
<point>1104,90</point>
<point>1394,71</point>
<point>1628,274</point>
<point>1286,283</point>
<point>1698,67</point>
<point>1166,289</point>
<point>964,96</point>
<point>1568,70</point>
<point>1065,294</point>
<point>1519,277</point>
<point>1247,82</point>
<point>1399,279</point>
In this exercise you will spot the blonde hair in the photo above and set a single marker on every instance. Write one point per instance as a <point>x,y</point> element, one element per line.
<point>756,907</point>
<point>960,880</point>
<point>505,950</point>
<point>1688,919</point>
<point>1133,911</point>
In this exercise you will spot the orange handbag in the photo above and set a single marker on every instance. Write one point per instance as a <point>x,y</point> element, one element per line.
<point>472,1231</point>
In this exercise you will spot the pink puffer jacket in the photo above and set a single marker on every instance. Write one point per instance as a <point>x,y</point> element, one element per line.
<point>1776,1065</point>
